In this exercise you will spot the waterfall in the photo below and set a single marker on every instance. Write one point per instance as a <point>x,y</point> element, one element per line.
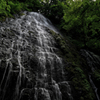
<point>93,62</point>
<point>94,87</point>
<point>29,65</point>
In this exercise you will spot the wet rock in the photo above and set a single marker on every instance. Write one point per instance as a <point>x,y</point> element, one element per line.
<point>36,62</point>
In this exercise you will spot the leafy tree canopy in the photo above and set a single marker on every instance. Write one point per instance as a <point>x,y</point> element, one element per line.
<point>79,19</point>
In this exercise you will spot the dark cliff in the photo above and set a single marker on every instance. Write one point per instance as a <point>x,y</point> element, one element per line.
<point>37,63</point>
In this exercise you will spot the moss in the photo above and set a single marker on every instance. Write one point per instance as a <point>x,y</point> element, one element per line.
<point>81,83</point>
<point>68,50</point>
<point>76,70</point>
<point>2,19</point>
<point>96,75</point>
<point>61,42</point>
<point>21,14</point>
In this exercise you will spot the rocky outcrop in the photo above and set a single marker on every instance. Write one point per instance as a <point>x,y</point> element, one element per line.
<point>37,63</point>
<point>76,68</point>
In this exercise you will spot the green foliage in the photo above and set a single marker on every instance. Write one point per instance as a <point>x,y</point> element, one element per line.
<point>75,68</point>
<point>10,7</point>
<point>4,8</point>
<point>81,83</point>
<point>81,21</point>
<point>56,11</point>
<point>53,10</point>
<point>97,75</point>
<point>34,5</point>
<point>15,7</point>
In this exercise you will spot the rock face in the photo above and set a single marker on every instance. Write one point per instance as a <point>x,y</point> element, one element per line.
<point>30,69</point>
<point>37,63</point>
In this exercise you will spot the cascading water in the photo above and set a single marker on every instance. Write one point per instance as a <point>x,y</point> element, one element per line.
<point>93,62</point>
<point>94,87</point>
<point>29,65</point>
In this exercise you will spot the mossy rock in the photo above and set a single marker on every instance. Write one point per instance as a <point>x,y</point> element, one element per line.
<point>76,72</point>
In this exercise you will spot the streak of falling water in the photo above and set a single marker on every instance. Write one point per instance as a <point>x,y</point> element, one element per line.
<point>93,62</point>
<point>28,38</point>
<point>8,69</point>
<point>45,42</point>
<point>94,87</point>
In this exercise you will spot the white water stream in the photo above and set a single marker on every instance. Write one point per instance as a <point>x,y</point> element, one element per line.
<point>33,69</point>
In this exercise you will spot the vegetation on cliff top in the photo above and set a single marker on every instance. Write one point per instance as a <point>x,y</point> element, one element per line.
<point>79,19</point>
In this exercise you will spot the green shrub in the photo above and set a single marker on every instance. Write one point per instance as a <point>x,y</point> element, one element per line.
<point>4,8</point>
<point>15,7</point>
